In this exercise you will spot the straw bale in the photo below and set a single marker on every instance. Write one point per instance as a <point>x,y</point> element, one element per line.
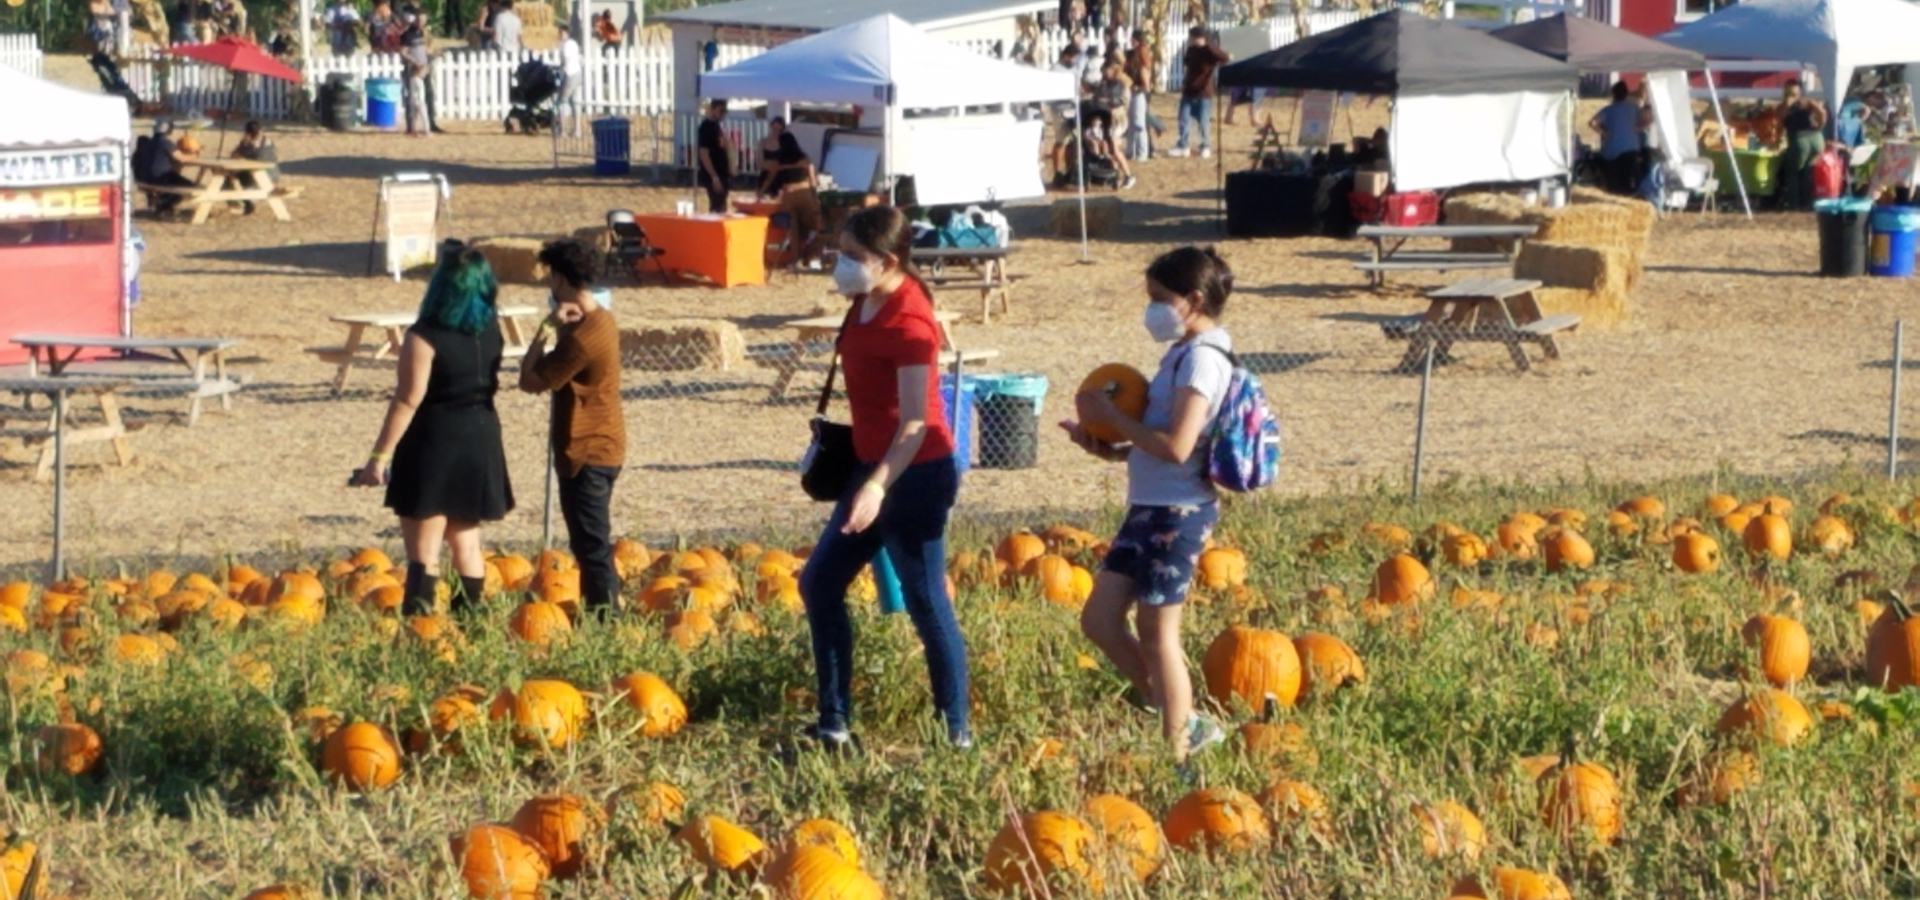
<point>1104,216</point>
<point>534,15</point>
<point>514,260</point>
<point>678,345</point>
<point>1592,282</point>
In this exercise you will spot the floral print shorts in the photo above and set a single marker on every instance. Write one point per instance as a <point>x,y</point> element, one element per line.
<point>1158,547</point>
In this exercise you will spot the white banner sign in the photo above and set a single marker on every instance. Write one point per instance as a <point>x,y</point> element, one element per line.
<point>68,165</point>
<point>412,225</point>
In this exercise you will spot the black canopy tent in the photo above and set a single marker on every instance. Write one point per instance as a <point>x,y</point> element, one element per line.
<point>1591,46</point>
<point>1497,86</point>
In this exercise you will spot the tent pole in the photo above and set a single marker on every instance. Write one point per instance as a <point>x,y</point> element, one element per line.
<point>1219,158</point>
<point>1080,155</point>
<point>1726,142</point>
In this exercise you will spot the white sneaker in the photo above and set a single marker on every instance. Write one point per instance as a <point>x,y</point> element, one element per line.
<point>1206,152</point>
<point>1202,732</point>
<point>1129,182</point>
<point>1177,152</point>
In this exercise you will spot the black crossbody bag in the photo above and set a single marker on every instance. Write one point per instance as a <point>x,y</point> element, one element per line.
<point>829,463</point>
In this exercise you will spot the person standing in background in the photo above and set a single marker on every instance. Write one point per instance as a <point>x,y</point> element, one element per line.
<point>1140,70</point>
<point>572,70</point>
<point>417,65</point>
<point>506,27</point>
<point>1804,120</point>
<point>384,28</point>
<point>343,27</point>
<point>1196,89</point>
<point>588,430</point>
<point>1619,124</point>
<point>715,165</point>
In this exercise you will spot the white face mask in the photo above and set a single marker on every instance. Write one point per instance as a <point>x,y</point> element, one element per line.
<point>850,277</point>
<point>1163,322</point>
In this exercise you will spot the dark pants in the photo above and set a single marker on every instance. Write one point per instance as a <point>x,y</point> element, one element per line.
<point>1623,174</point>
<point>1795,182</point>
<point>716,192</point>
<point>433,116</point>
<point>163,203</point>
<point>585,504</point>
<point>912,526</point>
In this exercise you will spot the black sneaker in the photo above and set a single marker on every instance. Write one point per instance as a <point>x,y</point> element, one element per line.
<point>1139,701</point>
<point>837,741</point>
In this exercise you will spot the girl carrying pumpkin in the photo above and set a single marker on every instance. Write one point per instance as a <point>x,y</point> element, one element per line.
<point>1172,506</point>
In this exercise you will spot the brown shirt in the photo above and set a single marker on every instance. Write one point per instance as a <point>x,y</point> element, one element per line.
<point>1201,61</point>
<point>583,371</point>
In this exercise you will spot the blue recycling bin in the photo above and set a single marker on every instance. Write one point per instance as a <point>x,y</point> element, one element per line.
<point>959,407</point>
<point>1890,249</point>
<point>612,139</point>
<point>383,102</point>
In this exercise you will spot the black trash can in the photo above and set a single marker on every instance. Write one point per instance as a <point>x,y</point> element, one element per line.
<point>339,103</point>
<point>1009,427</point>
<point>1843,236</point>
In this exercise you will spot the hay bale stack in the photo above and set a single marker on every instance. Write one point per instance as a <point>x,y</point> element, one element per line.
<point>514,260</point>
<point>534,15</point>
<point>1104,216</point>
<point>1583,221</point>
<point>679,345</point>
<point>1591,282</point>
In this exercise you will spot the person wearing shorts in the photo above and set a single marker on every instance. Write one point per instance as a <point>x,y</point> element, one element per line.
<point>1171,503</point>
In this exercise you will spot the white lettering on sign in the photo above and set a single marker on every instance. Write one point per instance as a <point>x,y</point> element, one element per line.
<point>53,203</point>
<point>25,168</point>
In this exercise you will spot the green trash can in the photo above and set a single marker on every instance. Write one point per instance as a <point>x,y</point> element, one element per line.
<point>1008,405</point>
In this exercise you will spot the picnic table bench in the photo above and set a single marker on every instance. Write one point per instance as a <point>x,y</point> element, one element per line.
<point>224,181</point>
<point>204,358</point>
<point>812,346</point>
<point>1497,310</point>
<point>393,330</point>
<point>984,270</point>
<point>1388,256</point>
<point>45,426</point>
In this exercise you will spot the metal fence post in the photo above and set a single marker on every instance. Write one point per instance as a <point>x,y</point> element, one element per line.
<point>1420,421</point>
<point>59,483</point>
<point>1893,405</point>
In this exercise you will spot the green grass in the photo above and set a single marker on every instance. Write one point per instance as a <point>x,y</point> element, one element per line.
<point>207,789</point>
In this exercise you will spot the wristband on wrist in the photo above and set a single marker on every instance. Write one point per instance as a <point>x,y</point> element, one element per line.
<point>379,456</point>
<point>876,486</point>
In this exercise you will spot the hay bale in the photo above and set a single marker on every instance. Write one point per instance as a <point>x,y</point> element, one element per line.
<point>679,345</point>
<point>1104,216</point>
<point>1592,282</point>
<point>514,260</point>
<point>534,14</point>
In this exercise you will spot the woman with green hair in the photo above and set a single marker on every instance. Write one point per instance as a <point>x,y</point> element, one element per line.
<point>439,452</point>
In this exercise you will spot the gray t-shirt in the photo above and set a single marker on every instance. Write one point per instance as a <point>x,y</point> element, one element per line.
<point>506,31</point>
<point>1152,481</point>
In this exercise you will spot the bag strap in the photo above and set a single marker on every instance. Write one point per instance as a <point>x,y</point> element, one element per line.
<point>833,368</point>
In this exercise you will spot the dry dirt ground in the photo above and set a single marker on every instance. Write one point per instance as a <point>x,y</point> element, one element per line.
<point>1737,355</point>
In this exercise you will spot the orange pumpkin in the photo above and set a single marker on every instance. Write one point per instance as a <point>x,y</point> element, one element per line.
<point>1252,664</point>
<point>1580,799</point>
<point>1216,819</point>
<point>1831,534</point>
<point>1645,506</point>
<point>1783,646</point>
<point>1125,386</point>
<point>828,834</point>
<point>1718,778</point>
<point>1041,847</point>
<point>816,873</point>
<point>1295,804</point>
<point>1696,552</point>
<point>1770,714</point>
<point>1768,534</point>
<point>69,747</point>
<point>1020,548</point>
<point>548,712</point>
<point>540,623</point>
<point>1514,884</point>
<point>498,863</point>
<point>649,804</point>
<point>720,844</point>
<point>1054,575</point>
<point>1327,662</point>
<point>362,756</point>
<point>1447,829</point>
<point>563,826</point>
<point>1401,579</point>
<point>662,713</point>
<point>1129,832</point>
<point>1221,568</point>
<point>1566,549</point>
<point>1893,646</point>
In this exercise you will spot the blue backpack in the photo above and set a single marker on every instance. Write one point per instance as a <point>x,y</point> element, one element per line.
<point>1244,438</point>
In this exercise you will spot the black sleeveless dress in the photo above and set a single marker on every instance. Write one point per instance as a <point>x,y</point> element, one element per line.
<point>450,462</point>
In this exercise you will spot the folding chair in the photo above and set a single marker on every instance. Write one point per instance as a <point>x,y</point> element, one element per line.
<point>630,247</point>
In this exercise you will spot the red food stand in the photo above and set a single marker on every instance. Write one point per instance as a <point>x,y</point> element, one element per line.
<point>63,211</point>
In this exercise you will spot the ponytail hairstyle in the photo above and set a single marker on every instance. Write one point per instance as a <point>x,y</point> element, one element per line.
<point>1188,270</point>
<point>884,230</point>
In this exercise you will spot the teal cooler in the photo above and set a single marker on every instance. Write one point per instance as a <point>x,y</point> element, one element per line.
<point>1009,406</point>
<point>1890,250</point>
<point>959,409</point>
<point>612,138</point>
<point>383,102</point>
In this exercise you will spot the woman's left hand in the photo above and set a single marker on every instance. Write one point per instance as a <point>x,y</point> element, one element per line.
<point>1095,408</point>
<point>865,508</point>
<point>373,474</point>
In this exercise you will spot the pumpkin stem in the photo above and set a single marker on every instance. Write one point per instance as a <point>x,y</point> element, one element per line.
<point>1269,708</point>
<point>1567,748</point>
<point>1900,608</point>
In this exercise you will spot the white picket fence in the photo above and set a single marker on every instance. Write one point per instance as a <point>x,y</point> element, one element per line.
<point>22,52</point>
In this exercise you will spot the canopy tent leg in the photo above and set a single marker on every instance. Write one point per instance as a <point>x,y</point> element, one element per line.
<point>1080,155</point>
<point>1726,143</point>
<point>1219,159</point>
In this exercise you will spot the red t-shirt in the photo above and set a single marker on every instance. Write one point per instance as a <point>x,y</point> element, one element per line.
<point>872,354</point>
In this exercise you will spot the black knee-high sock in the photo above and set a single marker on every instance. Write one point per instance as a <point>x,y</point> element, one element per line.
<point>471,591</point>
<point>419,596</point>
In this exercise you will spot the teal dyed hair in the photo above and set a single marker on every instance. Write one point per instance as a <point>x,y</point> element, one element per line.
<point>460,296</point>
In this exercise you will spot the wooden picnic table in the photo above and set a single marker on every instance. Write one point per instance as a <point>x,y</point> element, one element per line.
<point>1388,241</point>
<point>986,272</point>
<point>1497,310</point>
<point>48,425</point>
<point>813,343</point>
<point>205,359</point>
<point>393,329</point>
<point>224,181</point>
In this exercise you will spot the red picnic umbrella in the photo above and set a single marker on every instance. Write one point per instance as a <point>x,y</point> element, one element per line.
<point>236,55</point>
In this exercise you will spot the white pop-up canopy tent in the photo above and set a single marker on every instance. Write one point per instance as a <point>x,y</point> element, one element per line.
<point>887,63</point>
<point>1835,37</point>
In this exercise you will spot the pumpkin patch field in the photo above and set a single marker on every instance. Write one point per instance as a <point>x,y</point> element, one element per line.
<point>1696,688</point>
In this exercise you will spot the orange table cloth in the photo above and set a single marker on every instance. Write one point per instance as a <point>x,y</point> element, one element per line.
<point>726,250</point>
<point>775,234</point>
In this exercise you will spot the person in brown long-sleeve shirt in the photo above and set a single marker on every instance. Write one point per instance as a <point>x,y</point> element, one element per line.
<point>589,434</point>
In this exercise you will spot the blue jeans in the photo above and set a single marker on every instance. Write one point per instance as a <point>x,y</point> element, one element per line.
<point>1195,109</point>
<point>1139,119</point>
<point>912,526</point>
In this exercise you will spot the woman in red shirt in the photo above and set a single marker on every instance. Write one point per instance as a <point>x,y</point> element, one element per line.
<point>905,487</point>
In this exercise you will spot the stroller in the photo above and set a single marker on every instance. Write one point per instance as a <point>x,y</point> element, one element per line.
<point>534,85</point>
<point>111,82</point>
